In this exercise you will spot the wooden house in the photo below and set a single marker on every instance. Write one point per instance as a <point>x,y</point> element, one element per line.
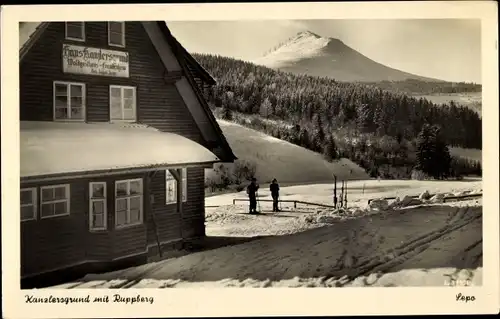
<point>115,136</point>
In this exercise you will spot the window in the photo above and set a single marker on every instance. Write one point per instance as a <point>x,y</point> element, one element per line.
<point>122,103</point>
<point>171,186</point>
<point>116,33</point>
<point>54,201</point>
<point>75,31</point>
<point>184,184</point>
<point>69,101</point>
<point>128,202</point>
<point>97,206</point>
<point>28,204</point>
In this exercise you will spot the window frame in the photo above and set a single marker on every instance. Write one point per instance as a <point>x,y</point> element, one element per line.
<point>34,204</point>
<point>122,99</point>
<point>172,180</point>
<point>123,34</point>
<point>68,103</point>
<point>184,182</point>
<point>128,196</point>
<point>67,190</point>
<point>71,38</point>
<point>105,209</point>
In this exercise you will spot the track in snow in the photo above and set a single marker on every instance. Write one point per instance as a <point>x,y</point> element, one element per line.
<point>363,251</point>
<point>382,263</point>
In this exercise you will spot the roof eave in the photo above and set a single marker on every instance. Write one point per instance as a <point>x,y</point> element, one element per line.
<point>111,172</point>
<point>205,75</point>
<point>230,157</point>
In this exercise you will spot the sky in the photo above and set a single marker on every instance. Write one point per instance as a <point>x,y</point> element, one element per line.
<point>446,49</point>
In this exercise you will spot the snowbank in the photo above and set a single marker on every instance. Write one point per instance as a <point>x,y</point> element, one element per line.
<point>424,245</point>
<point>397,248</point>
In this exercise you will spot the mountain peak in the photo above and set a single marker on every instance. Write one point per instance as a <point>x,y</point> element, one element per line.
<point>307,33</point>
<point>309,53</point>
<point>300,42</point>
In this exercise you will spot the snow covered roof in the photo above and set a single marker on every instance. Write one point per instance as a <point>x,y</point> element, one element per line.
<point>52,149</point>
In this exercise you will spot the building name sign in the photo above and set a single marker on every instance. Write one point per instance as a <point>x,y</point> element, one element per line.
<point>94,61</point>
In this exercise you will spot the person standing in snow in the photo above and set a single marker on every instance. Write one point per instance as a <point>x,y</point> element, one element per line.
<point>275,194</point>
<point>252,189</point>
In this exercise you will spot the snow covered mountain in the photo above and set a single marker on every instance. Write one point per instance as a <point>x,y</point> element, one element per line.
<point>311,54</point>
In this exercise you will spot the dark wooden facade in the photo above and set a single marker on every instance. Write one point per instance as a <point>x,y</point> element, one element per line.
<point>61,242</point>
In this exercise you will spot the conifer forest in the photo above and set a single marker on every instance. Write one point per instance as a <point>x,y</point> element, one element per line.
<point>377,125</point>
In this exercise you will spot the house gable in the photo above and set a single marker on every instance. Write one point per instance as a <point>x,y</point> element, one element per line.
<point>175,82</point>
<point>193,97</point>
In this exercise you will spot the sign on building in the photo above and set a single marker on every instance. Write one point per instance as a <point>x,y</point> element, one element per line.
<point>94,61</point>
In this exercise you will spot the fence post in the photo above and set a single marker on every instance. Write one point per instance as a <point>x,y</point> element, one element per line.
<point>342,194</point>
<point>335,191</point>
<point>345,205</point>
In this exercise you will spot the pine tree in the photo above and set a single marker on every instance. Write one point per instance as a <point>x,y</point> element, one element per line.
<point>227,114</point>
<point>364,118</point>
<point>265,108</point>
<point>304,139</point>
<point>433,155</point>
<point>424,150</point>
<point>442,157</point>
<point>330,149</point>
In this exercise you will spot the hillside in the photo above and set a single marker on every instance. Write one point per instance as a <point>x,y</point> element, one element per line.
<point>374,128</point>
<point>311,54</point>
<point>288,163</point>
<point>411,86</point>
<point>472,100</point>
<point>460,93</point>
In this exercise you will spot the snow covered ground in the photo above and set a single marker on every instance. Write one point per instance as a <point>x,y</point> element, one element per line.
<point>411,243</point>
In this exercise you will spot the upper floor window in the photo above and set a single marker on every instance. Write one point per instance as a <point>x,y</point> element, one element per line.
<point>75,31</point>
<point>69,101</point>
<point>122,102</point>
<point>54,200</point>
<point>28,204</point>
<point>116,33</point>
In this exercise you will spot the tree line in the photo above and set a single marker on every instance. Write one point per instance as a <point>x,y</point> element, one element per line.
<point>413,86</point>
<point>373,127</point>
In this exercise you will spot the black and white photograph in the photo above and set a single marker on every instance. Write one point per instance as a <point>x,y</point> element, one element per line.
<point>251,153</point>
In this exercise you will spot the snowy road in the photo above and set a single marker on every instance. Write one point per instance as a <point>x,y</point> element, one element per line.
<point>423,245</point>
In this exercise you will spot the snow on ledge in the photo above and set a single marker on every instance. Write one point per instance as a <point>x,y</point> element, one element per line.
<point>51,148</point>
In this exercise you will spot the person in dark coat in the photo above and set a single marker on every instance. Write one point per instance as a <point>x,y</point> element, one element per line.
<point>252,189</point>
<point>275,194</point>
